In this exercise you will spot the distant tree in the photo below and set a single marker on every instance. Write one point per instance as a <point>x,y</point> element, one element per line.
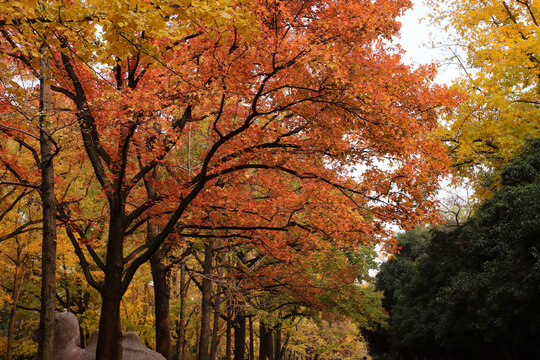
<point>394,277</point>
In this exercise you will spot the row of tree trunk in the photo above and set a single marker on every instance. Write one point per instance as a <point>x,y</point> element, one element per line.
<point>240,334</point>
<point>240,339</point>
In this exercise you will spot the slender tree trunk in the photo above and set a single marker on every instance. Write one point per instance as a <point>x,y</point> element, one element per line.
<point>181,327</point>
<point>161,295</point>
<point>228,351</point>
<point>262,353</point>
<point>206,307</point>
<point>110,333</point>
<point>284,346</point>
<point>215,329</point>
<point>11,326</point>
<point>239,336</point>
<point>48,250</point>
<point>15,299</point>
<point>197,333</point>
<point>251,340</point>
<point>159,277</point>
<point>178,345</point>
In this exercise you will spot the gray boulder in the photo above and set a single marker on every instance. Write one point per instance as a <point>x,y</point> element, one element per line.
<point>67,339</point>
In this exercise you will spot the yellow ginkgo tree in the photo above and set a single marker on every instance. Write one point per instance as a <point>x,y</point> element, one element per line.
<point>500,40</point>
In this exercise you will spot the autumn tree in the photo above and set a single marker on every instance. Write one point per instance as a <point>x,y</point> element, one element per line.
<point>498,41</point>
<point>307,91</point>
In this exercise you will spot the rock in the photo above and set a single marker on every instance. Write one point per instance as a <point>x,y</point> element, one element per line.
<point>67,340</point>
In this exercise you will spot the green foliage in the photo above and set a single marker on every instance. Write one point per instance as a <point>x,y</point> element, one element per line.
<point>471,292</point>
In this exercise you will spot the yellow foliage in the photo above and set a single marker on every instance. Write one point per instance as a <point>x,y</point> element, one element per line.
<point>137,307</point>
<point>502,47</point>
<point>19,256</point>
<point>109,30</point>
<point>329,340</point>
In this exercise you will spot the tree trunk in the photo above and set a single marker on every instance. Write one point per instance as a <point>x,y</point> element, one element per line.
<point>285,344</point>
<point>14,299</point>
<point>181,323</point>
<point>266,346</point>
<point>110,332</point>
<point>206,307</point>
<point>11,324</point>
<point>159,277</point>
<point>251,340</point>
<point>277,343</point>
<point>262,353</point>
<point>48,251</point>
<point>228,351</point>
<point>197,332</point>
<point>239,336</point>
<point>161,296</point>
<point>215,329</point>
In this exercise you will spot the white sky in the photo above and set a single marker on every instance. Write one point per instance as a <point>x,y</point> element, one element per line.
<point>417,38</point>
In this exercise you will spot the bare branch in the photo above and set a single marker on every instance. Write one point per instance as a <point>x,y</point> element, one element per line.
<point>13,204</point>
<point>17,183</point>
<point>21,230</point>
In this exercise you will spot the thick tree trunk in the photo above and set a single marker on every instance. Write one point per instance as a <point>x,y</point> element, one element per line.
<point>206,307</point>
<point>277,343</point>
<point>161,296</point>
<point>266,346</point>
<point>48,251</point>
<point>110,332</point>
<point>239,336</point>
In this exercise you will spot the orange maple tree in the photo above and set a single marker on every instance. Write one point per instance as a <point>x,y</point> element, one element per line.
<point>281,114</point>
